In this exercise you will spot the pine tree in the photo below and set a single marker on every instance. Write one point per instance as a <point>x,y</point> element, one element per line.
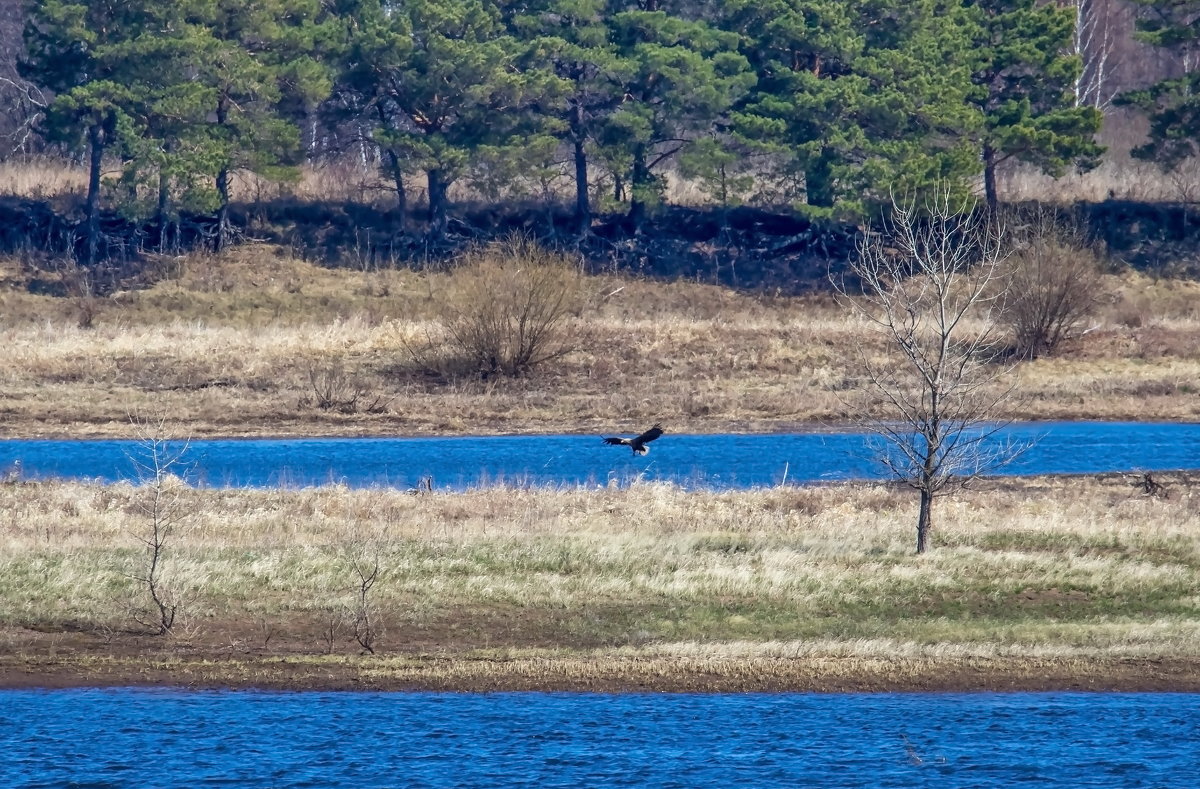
<point>720,166</point>
<point>680,78</point>
<point>259,61</point>
<point>916,120</point>
<point>857,99</point>
<point>1024,89</point>
<point>439,101</point>
<point>170,157</point>
<point>378,46</point>
<point>803,52</point>
<point>1172,105</point>
<point>76,51</point>
<point>572,37</point>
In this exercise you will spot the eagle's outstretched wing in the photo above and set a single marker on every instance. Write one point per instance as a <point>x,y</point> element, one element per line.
<point>649,435</point>
<point>637,443</point>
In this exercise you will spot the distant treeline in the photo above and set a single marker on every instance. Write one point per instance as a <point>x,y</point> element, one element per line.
<point>826,106</point>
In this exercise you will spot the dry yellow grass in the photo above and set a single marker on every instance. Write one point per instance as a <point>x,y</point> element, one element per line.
<point>42,178</point>
<point>1119,176</point>
<point>579,588</point>
<point>229,346</point>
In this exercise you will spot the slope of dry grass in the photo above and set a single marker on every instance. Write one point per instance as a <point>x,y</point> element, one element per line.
<point>232,345</point>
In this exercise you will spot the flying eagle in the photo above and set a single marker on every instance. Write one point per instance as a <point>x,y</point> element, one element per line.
<point>637,443</point>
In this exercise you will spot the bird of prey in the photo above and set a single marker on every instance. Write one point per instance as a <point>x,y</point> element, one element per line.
<point>637,443</point>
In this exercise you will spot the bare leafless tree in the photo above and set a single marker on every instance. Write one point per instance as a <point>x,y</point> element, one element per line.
<point>24,104</point>
<point>159,466</point>
<point>931,283</point>
<point>366,624</point>
<point>1099,26</point>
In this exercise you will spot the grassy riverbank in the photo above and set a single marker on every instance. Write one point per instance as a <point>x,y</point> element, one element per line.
<point>1070,582</point>
<point>240,345</point>
<point>1056,582</point>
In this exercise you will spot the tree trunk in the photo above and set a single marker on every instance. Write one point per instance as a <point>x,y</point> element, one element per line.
<point>397,172</point>
<point>164,193</point>
<point>818,181</point>
<point>583,210</point>
<point>989,178</point>
<point>222,187</point>
<point>437,203</point>
<point>96,141</point>
<point>924,521</point>
<point>639,178</point>
<point>401,192</point>
<point>222,212</point>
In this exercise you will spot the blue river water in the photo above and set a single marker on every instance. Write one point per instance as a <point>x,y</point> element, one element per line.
<point>717,461</point>
<point>172,738</point>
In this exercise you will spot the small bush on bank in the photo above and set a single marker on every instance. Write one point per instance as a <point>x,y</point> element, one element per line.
<point>1055,286</point>
<point>508,308</point>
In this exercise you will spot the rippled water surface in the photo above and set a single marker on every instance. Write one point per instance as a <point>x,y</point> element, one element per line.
<point>165,738</point>
<point>719,461</point>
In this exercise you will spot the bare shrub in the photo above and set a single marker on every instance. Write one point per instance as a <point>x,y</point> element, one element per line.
<point>507,310</point>
<point>334,389</point>
<point>159,464</point>
<point>1055,284</point>
<point>363,554</point>
<point>331,627</point>
<point>80,287</point>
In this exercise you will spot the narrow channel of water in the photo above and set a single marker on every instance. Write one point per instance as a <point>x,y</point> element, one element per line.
<point>166,738</point>
<point>717,461</point>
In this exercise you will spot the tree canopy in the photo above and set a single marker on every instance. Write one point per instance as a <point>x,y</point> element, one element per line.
<point>828,106</point>
<point>1171,105</point>
<point>1024,80</point>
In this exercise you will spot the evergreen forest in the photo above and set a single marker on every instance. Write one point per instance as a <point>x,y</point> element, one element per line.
<point>822,108</point>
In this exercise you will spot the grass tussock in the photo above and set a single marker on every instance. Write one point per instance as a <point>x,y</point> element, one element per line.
<point>1054,569</point>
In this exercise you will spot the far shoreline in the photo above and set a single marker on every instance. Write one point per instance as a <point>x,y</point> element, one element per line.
<point>124,432</point>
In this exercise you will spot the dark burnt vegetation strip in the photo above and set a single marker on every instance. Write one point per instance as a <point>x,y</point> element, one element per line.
<point>746,248</point>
